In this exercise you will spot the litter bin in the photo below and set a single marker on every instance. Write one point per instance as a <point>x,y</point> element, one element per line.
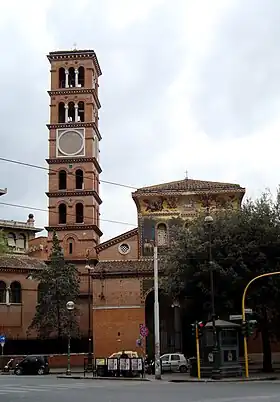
<point>193,368</point>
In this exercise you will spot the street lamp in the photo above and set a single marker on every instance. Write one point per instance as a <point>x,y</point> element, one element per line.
<point>70,307</point>
<point>216,372</point>
<point>90,270</point>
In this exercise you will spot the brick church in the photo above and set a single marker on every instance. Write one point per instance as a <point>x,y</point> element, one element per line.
<point>118,296</point>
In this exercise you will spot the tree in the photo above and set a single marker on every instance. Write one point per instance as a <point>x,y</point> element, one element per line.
<point>3,243</point>
<point>245,243</point>
<point>58,284</point>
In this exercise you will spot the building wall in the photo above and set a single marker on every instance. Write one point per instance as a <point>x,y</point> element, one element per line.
<point>16,318</point>
<point>117,314</point>
<point>115,251</point>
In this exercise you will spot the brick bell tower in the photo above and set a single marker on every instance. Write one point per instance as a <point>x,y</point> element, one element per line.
<point>74,152</point>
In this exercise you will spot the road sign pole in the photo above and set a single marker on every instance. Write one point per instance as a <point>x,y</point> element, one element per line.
<point>156,318</point>
<point>197,351</point>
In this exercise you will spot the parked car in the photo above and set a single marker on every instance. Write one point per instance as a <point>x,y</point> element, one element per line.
<point>33,365</point>
<point>174,362</point>
<point>129,353</point>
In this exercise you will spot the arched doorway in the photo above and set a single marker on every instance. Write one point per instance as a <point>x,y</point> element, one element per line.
<point>166,323</point>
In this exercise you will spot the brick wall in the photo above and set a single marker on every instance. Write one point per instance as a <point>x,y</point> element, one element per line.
<point>112,253</point>
<point>117,329</point>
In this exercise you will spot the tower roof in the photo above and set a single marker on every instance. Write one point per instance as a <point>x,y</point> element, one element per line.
<point>75,54</point>
<point>190,185</point>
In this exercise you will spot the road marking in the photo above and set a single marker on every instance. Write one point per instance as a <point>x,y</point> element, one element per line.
<point>240,398</point>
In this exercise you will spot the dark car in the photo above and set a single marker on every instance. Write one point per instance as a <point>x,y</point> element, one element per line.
<point>33,365</point>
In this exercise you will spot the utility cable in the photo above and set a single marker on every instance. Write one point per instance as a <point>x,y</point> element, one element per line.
<point>56,171</point>
<point>68,214</point>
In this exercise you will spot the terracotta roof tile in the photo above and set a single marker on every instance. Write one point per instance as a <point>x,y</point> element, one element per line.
<point>20,262</point>
<point>190,185</point>
<point>127,266</point>
<point>117,239</point>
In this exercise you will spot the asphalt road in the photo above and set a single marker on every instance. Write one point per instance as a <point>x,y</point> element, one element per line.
<point>48,389</point>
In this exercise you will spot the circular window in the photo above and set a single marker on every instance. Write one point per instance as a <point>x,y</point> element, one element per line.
<point>70,143</point>
<point>124,248</point>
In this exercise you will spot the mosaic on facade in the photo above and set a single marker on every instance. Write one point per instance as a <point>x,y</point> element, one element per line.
<point>186,204</point>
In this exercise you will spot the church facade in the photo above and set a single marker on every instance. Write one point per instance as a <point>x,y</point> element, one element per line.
<point>123,279</point>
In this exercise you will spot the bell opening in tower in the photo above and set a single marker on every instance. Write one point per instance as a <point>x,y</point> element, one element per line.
<point>81,76</point>
<point>71,76</point>
<point>71,111</point>
<point>61,77</point>
<point>81,111</point>
<point>61,112</point>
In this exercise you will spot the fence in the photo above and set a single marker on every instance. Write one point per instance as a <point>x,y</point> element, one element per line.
<point>115,367</point>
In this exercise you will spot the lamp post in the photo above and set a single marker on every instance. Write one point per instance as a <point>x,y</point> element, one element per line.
<point>70,307</point>
<point>216,372</point>
<point>90,270</point>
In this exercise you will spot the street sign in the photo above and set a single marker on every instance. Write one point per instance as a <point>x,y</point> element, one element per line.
<point>235,317</point>
<point>2,342</point>
<point>144,331</point>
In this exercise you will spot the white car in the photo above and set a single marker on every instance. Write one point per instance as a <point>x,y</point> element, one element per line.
<point>174,362</point>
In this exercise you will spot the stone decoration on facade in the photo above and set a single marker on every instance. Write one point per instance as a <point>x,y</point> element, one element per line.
<point>162,234</point>
<point>124,248</point>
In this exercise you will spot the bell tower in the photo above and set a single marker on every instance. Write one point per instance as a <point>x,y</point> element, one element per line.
<point>74,138</point>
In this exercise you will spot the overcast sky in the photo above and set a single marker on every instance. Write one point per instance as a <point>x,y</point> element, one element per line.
<point>186,85</point>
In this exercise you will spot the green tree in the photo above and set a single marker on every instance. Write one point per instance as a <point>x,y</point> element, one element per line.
<point>245,243</point>
<point>58,284</point>
<point>3,243</point>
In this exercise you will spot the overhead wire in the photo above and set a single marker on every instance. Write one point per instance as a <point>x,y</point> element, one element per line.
<point>31,165</point>
<point>34,166</point>
<point>30,208</point>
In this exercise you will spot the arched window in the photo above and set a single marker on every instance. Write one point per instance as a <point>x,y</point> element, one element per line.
<point>11,240</point>
<point>2,292</point>
<point>61,112</point>
<point>15,292</point>
<point>61,77</point>
<point>71,77</point>
<point>162,234</point>
<point>21,241</point>
<point>62,180</point>
<point>79,179</point>
<point>81,111</point>
<point>79,213</point>
<point>71,111</point>
<point>62,213</point>
<point>81,77</point>
<point>40,292</point>
<point>70,246</point>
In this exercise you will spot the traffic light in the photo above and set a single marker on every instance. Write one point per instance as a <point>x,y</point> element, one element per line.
<point>248,327</point>
<point>201,326</point>
<point>193,326</point>
<point>251,327</point>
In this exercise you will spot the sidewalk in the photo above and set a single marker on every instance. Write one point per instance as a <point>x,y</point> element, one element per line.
<point>173,378</point>
<point>179,378</point>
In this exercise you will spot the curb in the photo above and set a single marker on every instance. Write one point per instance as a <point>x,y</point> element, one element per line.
<point>76,377</point>
<point>228,380</point>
